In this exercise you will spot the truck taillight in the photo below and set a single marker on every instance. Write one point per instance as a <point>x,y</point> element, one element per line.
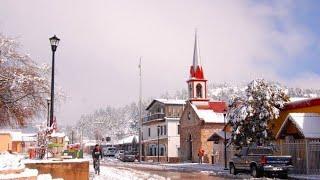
<point>263,160</point>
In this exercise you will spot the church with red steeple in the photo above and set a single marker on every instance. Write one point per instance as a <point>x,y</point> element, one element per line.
<point>201,116</point>
<point>197,84</point>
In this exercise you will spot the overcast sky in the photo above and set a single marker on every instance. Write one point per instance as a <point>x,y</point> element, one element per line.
<point>101,41</point>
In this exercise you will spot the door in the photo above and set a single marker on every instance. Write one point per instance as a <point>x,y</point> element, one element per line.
<point>190,147</point>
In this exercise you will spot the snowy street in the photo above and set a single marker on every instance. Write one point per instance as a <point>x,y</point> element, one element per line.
<point>112,168</point>
<point>124,173</point>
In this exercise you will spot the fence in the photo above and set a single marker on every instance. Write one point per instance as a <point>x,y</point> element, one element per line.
<point>305,155</point>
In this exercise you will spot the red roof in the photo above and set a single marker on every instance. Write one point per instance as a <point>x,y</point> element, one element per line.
<point>198,73</point>
<point>302,103</point>
<point>218,106</point>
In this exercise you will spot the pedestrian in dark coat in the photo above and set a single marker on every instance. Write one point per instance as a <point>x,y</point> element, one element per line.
<point>96,154</point>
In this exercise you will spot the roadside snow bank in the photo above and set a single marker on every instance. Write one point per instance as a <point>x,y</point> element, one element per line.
<point>115,173</point>
<point>10,163</point>
<point>27,173</point>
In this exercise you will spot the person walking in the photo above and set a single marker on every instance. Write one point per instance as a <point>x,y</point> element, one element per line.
<point>96,154</point>
<point>200,155</point>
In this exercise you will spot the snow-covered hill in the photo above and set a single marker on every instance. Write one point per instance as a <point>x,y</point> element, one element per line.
<point>123,121</point>
<point>225,91</point>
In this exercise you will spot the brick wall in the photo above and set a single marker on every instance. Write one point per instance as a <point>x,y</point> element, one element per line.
<point>65,170</point>
<point>200,132</point>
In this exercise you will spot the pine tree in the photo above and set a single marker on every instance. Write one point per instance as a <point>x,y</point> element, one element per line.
<point>251,116</point>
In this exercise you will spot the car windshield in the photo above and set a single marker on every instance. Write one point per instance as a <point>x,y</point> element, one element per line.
<point>263,151</point>
<point>128,153</point>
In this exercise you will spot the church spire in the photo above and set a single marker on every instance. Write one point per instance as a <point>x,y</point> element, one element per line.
<point>196,53</point>
<point>196,68</point>
<point>197,84</point>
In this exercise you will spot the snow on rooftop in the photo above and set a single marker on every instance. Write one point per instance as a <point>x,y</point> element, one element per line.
<point>19,136</point>
<point>128,140</point>
<point>308,123</point>
<point>58,134</point>
<point>16,136</point>
<point>208,115</point>
<point>172,101</point>
<point>29,137</point>
<point>293,99</point>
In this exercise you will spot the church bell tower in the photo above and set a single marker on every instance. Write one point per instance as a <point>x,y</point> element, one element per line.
<point>197,84</point>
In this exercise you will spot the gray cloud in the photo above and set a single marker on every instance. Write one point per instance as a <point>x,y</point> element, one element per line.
<point>101,41</point>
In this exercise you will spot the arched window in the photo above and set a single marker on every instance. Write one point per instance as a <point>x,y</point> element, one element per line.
<point>154,151</point>
<point>161,151</point>
<point>199,91</point>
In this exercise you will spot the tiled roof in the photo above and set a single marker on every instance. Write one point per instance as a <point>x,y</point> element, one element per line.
<point>208,115</point>
<point>168,101</point>
<point>302,103</point>
<point>218,106</point>
<point>307,123</point>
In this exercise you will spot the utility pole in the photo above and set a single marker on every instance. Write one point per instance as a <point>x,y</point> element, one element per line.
<point>225,140</point>
<point>71,136</point>
<point>158,130</point>
<point>140,112</point>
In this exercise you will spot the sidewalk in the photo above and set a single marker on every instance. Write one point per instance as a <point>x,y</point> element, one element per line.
<point>305,176</point>
<point>209,169</point>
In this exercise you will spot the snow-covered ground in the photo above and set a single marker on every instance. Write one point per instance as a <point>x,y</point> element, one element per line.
<point>305,176</point>
<point>10,162</point>
<point>116,173</point>
<point>112,168</point>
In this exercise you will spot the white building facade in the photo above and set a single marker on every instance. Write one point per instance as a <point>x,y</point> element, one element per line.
<point>160,130</point>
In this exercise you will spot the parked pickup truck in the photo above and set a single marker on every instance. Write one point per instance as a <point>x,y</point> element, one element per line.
<point>260,161</point>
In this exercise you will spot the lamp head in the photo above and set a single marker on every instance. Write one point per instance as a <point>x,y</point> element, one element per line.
<point>54,41</point>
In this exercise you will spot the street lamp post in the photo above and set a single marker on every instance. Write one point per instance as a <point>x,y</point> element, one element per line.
<point>225,141</point>
<point>54,41</point>
<point>158,128</point>
<point>48,118</point>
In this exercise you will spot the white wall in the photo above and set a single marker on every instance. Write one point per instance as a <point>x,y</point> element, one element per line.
<point>172,135</point>
<point>154,131</point>
<point>173,138</point>
<point>173,127</point>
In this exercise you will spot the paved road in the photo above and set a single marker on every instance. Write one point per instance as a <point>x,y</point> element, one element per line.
<point>114,169</point>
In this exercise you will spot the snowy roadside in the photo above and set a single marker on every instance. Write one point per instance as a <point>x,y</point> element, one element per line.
<point>208,169</point>
<point>114,173</point>
<point>304,176</point>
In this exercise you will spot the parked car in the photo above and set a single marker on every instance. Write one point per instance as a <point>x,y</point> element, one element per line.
<point>118,153</point>
<point>127,156</point>
<point>110,151</point>
<point>260,161</point>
